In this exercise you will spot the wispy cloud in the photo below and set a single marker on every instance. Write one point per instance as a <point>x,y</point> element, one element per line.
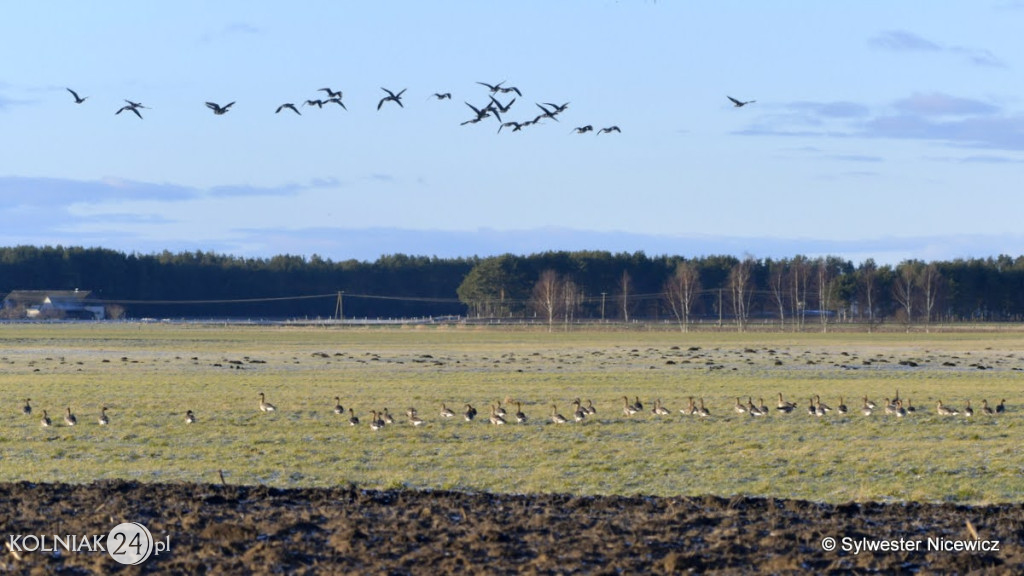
<point>934,116</point>
<point>904,41</point>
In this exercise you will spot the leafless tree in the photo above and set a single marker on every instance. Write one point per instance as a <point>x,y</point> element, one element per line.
<point>739,286</point>
<point>571,299</point>
<point>546,297</point>
<point>625,287</point>
<point>681,291</point>
<point>826,290</point>
<point>799,274</point>
<point>930,282</point>
<point>868,277</point>
<point>777,284</point>
<point>903,288</point>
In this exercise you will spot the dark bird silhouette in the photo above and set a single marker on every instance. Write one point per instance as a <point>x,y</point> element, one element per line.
<point>494,88</point>
<point>396,98</point>
<point>330,93</point>
<point>505,90</point>
<point>547,114</point>
<point>131,107</point>
<point>337,101</point>
<point>288,105</point>
<point>583,129</point>
<point>739,103</point>
<point>218,109</point>
<point>318,103</point>
<point>608,130</point>
<point>502,109</point>
<point>78,99</point>
<point>481,113</point>
<point>557,109</point>
<point>515,126</point>
<point>442,95</point>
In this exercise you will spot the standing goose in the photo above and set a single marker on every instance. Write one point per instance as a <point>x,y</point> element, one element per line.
<point>900,410</point>
<point>910,407</point>
<point>338,408</point>
<point>841,408</point>
<point>627,408</point>
<point>866,409</point>
<point>556,417</point>
<point>945,410</point>
<point>470,413</point>
<point>638,405</point>
<point>104,419</point>
<point>520,417</point>
<point>691,408</point>
<point>500,411</point>
<point>190,417</point>
<point>446,412</point>
<point>702,411</point>
<point>1001,407</point>
<point>784,406</point>
<point>578,413</point>
<point>27,408</point>
<point>739,408</point>
<point>968,411</point>
<point>496,419</point>
<point>590,408</point>
<point>45,421</point>
<point>353,420</point>
<point>817,402</point>
<point>266,406</point>
<point>387,418</point>
<point>869,403</point>
<point>375,422</point>
<point>414,419</point>
<point>69,418</point>
<point>986,409</point>
<point>751,409</point>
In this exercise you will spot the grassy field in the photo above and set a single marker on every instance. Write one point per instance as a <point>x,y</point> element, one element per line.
<point>149,375</point>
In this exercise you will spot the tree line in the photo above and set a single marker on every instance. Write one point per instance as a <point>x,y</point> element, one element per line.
<point>551,287</point>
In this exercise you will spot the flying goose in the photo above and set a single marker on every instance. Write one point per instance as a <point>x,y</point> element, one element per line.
<point>78,99</point>
<point>131,107</point>
<point>396,98</point>
<point>609,130</point>
<point>218,109</point>
<point>502,109</point>
<point>738,103</point>
<point>583,129</point>
<point>494,88</point>
<point>558,109</point>
<point>330,93</point>
<point>289,106</point>
<point>338,102</point>
<point>441,95</point>
<point>266,406</point>
<point>314,102</point>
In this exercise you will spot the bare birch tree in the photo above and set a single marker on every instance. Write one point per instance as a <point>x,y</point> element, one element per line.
<point>625,287</point>
<point>545,300</point>
<point>903,288</point>
<point>681,291</point>
<point>930,280</point>
<point>739,285</point>
<point>777,284</point>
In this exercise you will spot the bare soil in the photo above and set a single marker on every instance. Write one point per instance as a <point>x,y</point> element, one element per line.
<point>217,529</point>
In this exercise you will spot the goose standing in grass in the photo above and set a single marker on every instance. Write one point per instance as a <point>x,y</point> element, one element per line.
<point>627,408</point>
<point>869,403</point>
<point>520,416</point>
<point>910,407</point>
<point>590,408</point>
<point>691,407</point>
<point>986,409</point>
<point>751,409</point>
<point>817,402</point>
<point>1001,408</point>
<point>338,408</point>
<point>190,417</point>
<point>900,410</point>
<point>866,409</point>
<point>414,419</point>
<point>762,407</point>
<point>659,409</point>
<point>500,411</point>
<point>738,407</point>
<point>104,419</point>
<point>578,413</point>
<point>387,418</point>
<point>266,406</point>
<point>945,410</point>
<point>890,406</point>
<point>353,420</point>
<point>702,411</point>
<point>968,411</point>
<point>470,413</point>
<point>446,412</point>
<point>638,405</point>
<point>45,421</point>
<point>27,408</point>
<point>812,410</point>
<point>69,418</point>
<point>558,418</point>
<point>784,406</point>
<point>496,418</point>
<point>375,422</point>
<point>842,408</point>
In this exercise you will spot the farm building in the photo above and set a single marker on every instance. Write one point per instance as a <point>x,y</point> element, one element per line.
<point>73,304</point>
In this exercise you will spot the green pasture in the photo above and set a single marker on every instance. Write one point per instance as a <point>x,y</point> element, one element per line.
<point>148,375</point>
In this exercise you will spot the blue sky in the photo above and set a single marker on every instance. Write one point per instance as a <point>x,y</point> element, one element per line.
<point>880,129</point>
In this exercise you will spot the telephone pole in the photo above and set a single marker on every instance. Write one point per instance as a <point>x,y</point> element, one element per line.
<point>339,306</point>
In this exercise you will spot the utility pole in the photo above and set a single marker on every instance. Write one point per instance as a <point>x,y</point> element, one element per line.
<point>602,306</point>
<point>339,306</point>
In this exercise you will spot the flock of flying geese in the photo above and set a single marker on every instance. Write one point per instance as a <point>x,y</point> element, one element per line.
<point>491,109</point>
<point>581,411</point>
